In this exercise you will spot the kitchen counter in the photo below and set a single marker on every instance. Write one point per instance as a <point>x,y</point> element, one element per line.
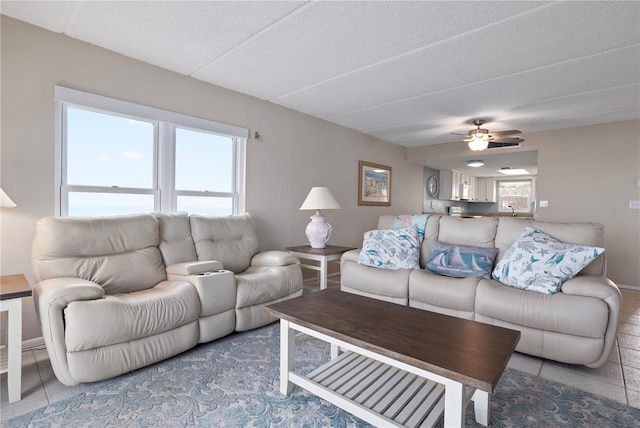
<point>480,215</point>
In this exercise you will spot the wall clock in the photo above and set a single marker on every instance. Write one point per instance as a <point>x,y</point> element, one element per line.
<point>433,186</point>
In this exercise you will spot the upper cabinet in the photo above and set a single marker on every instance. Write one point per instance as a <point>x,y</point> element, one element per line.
<point>485,190</point>
<point>450,184</point>
<point>456,186</point>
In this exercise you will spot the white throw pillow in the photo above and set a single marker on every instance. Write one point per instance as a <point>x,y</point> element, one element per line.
<point>538,262</point>
<point>392,249</point>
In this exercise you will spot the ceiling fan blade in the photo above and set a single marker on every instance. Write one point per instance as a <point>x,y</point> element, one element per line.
<point>510,132</point>
<point>508,140</point>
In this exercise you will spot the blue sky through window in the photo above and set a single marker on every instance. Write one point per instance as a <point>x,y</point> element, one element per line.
<point>107,150</point>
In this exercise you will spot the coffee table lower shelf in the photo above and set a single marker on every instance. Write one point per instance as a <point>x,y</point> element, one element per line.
<point>366,387</point>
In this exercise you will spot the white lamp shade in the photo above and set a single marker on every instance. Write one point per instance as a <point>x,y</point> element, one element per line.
<point>5,201</point>
<point>478,144</point>
<point>320,198</point>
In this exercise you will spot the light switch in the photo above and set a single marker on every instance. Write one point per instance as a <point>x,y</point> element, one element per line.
<point>544,204</point>
<point>634,205</point>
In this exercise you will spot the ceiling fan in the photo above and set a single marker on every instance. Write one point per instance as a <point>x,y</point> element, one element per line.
<point>481,139</point>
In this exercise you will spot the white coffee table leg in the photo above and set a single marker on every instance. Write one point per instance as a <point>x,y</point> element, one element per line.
<point>454,405</point>
<point>287,356</point>
<point>481,406</point>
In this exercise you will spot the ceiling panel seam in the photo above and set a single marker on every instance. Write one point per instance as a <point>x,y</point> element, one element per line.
<point>573,95</point>
<point>479,82</point>
<point>73,13</point>
<point>416,50</point>
<point>259,33</point>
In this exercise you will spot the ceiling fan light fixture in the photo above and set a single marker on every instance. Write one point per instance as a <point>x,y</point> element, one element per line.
<point>478,144</point>
<point>475,163</point>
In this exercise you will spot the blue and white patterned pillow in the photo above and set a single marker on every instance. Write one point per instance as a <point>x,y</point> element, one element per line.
<point>461,261</point>
<point>392,249</point>
<point>408,220</point>
<point>538,262</point>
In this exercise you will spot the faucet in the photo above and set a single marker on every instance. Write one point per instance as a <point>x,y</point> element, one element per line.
<point>513,211</point>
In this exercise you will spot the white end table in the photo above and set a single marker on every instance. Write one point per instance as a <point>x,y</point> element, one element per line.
<point>323,256</point>
<point>12,289</point>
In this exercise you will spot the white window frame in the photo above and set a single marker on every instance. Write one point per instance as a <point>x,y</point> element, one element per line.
<point>164,124</point>
<point>521,180</point>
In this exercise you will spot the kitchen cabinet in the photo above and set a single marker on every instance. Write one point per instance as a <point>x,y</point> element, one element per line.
<point>450,180</point>
<point>485,190</point>
<point>466,187</point>
<point>477,189</point>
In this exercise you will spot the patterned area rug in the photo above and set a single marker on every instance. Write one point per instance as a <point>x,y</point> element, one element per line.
<point>234,381</point>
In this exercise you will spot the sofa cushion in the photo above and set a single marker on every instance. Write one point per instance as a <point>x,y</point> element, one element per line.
<point>176,244</point>
<point>555,313</point>
<point>393,249</point>
<point>231,240</point>
<point>127,317</point>
<point>389,285</point>
<point>461,261</point>
<point>120,253</point>
<point>259,285</point>
<point>477,232</point>
<point>455,295</point>
<point>538,262</point>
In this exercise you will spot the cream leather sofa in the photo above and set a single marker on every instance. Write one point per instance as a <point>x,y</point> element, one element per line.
<point>576,325</point>
<point>114,294</point>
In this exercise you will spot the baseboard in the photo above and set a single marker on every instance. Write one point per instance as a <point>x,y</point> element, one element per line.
<point>629,287</point>
<point>32,343</point>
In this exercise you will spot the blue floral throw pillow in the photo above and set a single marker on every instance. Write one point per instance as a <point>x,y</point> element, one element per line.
<point>538,262</point>
<point>461,261</point>
<point>392,249</point>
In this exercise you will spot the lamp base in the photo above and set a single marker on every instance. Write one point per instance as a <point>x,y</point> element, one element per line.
<point>318,231</point>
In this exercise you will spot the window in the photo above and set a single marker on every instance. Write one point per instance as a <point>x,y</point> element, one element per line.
<point>117,157</point>
<point>516,194</point>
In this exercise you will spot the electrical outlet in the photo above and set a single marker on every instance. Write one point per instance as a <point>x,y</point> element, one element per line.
<point>634,205</point>
<point>544,204</point>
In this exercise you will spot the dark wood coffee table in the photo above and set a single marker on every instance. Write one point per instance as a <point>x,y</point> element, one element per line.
<point>393,365</point>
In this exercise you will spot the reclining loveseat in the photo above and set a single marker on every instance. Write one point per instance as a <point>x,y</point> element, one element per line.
<point>114,294</point>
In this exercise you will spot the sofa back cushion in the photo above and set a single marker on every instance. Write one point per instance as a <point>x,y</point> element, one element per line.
<point>230,240</point>
<point>119,253</point>
<point>176,243</point>
<point>591,234</point>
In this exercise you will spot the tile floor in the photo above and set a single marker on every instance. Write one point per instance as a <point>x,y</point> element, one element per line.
<point>618,379</point>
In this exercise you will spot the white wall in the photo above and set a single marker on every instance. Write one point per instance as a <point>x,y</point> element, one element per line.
<point>294,153</point>
<point>587,174</point>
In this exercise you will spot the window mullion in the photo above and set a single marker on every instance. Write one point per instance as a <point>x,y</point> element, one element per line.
<point>239,176</point>
<point>166,174</point>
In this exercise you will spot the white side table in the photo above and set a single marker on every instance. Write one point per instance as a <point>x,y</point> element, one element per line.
<point>12,289</point>
<point>323,256</point>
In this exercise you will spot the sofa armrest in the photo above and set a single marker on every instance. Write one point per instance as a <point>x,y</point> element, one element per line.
<point>606,290</point>
<point>194,268</point>
<point>274,259</point>
<point>593,286</point>
<point>351,256</point>
<point>51,297</point>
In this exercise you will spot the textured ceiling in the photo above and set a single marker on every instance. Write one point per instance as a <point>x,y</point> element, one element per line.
<point>408,72</point>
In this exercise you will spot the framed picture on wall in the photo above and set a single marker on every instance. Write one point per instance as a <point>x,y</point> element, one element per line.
<point>374,184</point>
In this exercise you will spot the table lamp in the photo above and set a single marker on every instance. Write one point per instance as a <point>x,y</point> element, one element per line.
<point>319,230</point>
<point>5,200</point>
